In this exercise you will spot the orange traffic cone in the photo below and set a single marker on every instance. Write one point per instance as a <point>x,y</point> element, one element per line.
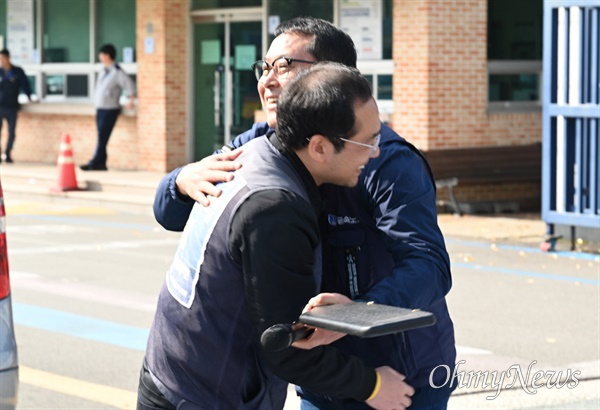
<point>66,167</point>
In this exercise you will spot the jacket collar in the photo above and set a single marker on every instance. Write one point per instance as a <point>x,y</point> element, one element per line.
<point>312,189</point>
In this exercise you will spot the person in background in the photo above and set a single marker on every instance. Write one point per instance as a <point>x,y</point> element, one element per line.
<point>111,83</point>
<point>250,260</point>
<point>12,80</point>
<point>381,240</point>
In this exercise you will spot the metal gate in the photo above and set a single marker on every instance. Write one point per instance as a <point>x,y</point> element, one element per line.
<point>571,114</point>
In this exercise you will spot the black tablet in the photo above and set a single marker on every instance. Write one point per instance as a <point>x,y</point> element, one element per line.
<point>366,319</point>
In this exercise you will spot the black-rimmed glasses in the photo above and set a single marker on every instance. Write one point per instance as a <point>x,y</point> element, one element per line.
<point>280,66</point>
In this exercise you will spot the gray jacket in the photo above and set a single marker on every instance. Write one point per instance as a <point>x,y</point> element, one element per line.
<point>111,83</point>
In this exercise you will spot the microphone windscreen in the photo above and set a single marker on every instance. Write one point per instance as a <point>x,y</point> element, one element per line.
<point>277,338</point>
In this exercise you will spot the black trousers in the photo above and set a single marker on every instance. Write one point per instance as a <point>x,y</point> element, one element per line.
<point>105,122</point>
<point>149,397</point>
<point>10,115</point>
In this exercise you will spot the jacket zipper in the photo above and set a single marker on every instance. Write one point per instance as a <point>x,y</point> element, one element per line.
<point>352,274</point>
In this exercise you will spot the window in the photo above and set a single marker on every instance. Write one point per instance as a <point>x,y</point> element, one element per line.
<point>68,64</point>
<point>3,22</point>
<point>115,25</point>
<point>287,9</point>
<point>55,85</point>
<point>66,33</point>
<point>4,44</point>
<point>388,29</point>
<point>514,55</point>
<point>384,87</point>
<point>31,80</point>
<point>380,72</point>
<point>216,4</point>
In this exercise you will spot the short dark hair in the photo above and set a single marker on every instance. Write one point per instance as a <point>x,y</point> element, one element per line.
<point>109,50</point>
<point>5,52</point>
<point>329,43</point>
<point>321,100</point>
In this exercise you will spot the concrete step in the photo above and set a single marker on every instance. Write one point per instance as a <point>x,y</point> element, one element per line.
<point>98,187</point>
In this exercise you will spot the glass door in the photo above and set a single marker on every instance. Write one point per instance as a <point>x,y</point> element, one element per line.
<point>225,95</point>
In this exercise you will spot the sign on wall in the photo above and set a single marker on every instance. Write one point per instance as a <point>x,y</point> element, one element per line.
<point>19,30</point>
<point>245,56</point>
<point>362,20</point>
<point>211,52</point>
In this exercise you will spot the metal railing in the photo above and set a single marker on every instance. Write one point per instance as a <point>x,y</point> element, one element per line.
<point>571,114</point>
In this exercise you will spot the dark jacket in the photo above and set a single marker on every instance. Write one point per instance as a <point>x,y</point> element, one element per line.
<point>245,263</point>
<point>389,234</point>
<point>382,243</point>
<point>10,84</point>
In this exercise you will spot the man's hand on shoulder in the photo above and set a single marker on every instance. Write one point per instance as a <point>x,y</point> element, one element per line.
<point>197,180</point>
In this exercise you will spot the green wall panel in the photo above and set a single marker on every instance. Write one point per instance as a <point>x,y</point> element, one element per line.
<point>3,20</point>
<point>115,24</point>
<point>66,31</point>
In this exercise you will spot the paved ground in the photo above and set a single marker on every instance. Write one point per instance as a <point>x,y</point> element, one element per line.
<point>136,189</point>
<point>520,234</point>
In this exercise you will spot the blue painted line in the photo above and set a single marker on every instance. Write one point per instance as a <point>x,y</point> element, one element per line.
<point>89,222</point>
<point>526,273</point>
<point>56,321</point>
<point>561,254</point>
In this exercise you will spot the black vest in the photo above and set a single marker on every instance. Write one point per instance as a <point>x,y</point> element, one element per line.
<point>202,346</point>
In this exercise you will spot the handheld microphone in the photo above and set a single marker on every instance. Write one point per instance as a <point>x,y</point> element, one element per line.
<point>281,336</point>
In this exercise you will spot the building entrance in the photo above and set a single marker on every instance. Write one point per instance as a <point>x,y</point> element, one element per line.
<point>225,96</point>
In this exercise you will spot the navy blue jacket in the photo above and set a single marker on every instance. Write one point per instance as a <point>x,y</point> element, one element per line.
<point>383,234</point>
<point>10,83</point>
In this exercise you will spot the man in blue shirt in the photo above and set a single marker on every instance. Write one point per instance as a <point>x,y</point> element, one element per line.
<point>381,241</point>
<point>12,80</point>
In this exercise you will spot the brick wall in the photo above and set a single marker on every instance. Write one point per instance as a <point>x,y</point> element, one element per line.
<point>514,129</point>
<point>440,86</point>
<point>411,70</point>
<point>440,78</point>
<point>38,139</point>
<point>156,139</point>
<point>440,75</point>
<point>162,83</point>
<point>440,90</point>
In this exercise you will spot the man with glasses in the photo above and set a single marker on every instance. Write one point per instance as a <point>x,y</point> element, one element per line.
<point>372,147</point>
<point>381,241</point>
<point>248,261</point>
<point>281,67</point>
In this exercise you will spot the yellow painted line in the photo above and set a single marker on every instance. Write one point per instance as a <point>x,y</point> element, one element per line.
<point>111,396</point>
<point>45,209</point>
<point>21,208</point>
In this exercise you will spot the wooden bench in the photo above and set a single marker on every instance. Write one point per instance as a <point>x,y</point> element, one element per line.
<point>449,183</point>
<point>482,165</point>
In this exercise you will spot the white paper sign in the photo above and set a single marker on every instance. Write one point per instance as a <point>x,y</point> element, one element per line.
<point>128,54</point>
<point>273,22</point>
<point>149,45</point>
<point>19,30</point>
<point>362,20</point>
